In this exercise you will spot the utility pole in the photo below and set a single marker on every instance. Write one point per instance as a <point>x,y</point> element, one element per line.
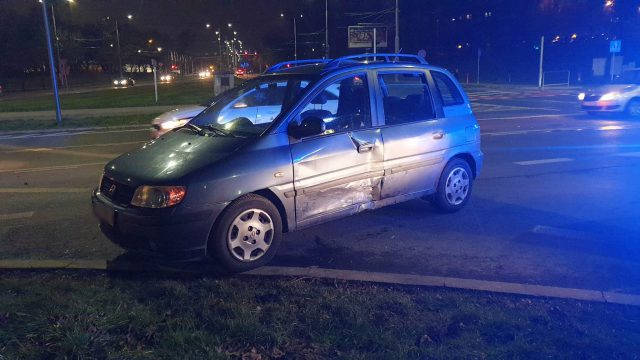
<point>397,29</point>
<point>478,73</point>
<point>540,74</point>
<point>52,63</point>
<point>295,39</point>
<point>326,29</point>
<point>55,33</point>
<point>119,55</point>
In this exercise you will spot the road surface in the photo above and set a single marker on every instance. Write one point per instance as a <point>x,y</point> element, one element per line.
<point>557,202</point>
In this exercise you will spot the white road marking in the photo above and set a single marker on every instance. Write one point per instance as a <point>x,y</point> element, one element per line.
<point>543,161</point>
<point>630,154</point>
<point>70,147</point>
<point>49,168</point>
<point>43,190</point>
<point>16,216</point>
<point>511,107</point>
<point>68,133</point>
<point>560,232</point>
<point>529,117</point>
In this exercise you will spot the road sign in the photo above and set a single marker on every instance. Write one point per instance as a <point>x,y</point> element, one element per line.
<point>362,36</point>
<point>615,46</point>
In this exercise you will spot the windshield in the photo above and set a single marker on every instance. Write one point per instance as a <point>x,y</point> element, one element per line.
<point>629,77</point>
<point>250,108</point>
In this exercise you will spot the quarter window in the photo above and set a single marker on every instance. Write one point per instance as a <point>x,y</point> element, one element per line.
<point>449,92</point>
<point>406,98</point>
<point>343,105</point>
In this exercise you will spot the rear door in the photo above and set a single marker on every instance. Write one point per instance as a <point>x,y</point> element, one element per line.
<point>414,140</point>
<point>338,172</point>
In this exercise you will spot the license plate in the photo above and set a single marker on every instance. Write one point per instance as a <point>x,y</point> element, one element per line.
<point>105,214</point>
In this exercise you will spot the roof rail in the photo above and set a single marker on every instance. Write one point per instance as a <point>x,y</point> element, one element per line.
<point>295,63</point>
<point>378,57</point>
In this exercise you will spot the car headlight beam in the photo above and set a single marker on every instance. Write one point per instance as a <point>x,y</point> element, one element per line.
<point>610,96</point>
<point>158,196</point>
<point>172,124</point>
<point>582,96</point>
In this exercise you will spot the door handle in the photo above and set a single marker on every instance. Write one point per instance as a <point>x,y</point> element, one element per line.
<point>437,135</point>
<point>364,147</point>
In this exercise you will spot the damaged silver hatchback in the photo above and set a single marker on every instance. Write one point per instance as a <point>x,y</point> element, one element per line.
<point>302,144</point>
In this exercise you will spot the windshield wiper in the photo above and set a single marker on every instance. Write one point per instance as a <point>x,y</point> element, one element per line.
<point>218,131</point>
<point>198,130</point>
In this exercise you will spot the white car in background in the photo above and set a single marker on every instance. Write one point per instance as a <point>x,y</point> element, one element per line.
<point>622,96</point>
<point>174,119</point>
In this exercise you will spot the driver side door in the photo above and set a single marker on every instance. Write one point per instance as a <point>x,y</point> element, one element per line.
<point>338,172</point>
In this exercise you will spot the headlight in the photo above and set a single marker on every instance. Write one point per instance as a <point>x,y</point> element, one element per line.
<point>158,196</point>
<point>609,96</point>
<point>581,96</point>
<point>172,124</point>
<point>115,82</point>
<point>162,78</point>
<point>123,82</point>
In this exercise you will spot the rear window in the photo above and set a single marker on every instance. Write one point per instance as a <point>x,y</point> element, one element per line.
<point>406,98</point>
<point>449,92</point>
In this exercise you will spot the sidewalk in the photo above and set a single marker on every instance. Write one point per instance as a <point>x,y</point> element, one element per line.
<point>84,113</point>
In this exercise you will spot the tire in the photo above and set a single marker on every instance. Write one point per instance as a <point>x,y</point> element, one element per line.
<point>633,108</point>
<point>247,234</point>
<point>454,187</point>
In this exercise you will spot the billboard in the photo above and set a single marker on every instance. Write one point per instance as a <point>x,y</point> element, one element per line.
<point>362,36</point>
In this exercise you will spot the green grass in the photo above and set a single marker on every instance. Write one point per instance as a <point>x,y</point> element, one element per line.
<point>193,92</point>
<point>103,121</point>
<point>79,315</point>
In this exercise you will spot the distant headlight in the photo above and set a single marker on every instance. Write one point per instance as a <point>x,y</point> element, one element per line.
<point>115,82</point>
<point>158,196</point>
<point>172,124</point>
<point>581,96</point>
<point>162,78</point>
<point>123,82</point>
<point>610,96</point>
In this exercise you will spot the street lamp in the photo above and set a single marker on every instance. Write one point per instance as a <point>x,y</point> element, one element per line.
<point>129,17</point>
<point>295,35</point>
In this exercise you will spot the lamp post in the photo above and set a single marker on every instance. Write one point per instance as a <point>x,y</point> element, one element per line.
<point>52,64</point>
<point>115,20</point>
<point>295,35</point>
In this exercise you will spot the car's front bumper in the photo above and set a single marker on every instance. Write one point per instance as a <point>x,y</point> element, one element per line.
<point>161,232</point>
<point>602,106</point>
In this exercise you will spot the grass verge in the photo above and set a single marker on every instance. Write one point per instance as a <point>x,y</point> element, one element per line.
<point>92,315</point>
<point>103,121</point>
<point>193,92</point>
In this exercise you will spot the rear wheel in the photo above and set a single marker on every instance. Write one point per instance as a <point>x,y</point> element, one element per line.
<point>454,186</point>
<point>247,235</point>
<point>633,108</point>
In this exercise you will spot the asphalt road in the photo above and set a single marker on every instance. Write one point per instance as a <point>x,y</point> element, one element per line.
<point>557,202</point>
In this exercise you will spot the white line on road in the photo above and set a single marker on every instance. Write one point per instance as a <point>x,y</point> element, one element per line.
<point>43,190</point>
<point>16,216</point>
<point>72,147</point>
<point>49,168</point>
<point>68,133</point>
<point>630,154</point>
<point>512,107</point>
<point>543,161</point>
<point>529,117</point>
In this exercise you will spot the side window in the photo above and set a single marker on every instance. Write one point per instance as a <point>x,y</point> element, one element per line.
<point>343,105</point>
<point>448,91</point>
<point>406,98</point>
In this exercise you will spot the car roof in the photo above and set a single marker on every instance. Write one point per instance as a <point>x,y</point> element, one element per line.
<point>322,67</point>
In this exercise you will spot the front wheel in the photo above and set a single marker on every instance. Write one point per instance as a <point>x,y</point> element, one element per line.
<point>633,108</point>
<point>454,187</point>
<point>247,235</point>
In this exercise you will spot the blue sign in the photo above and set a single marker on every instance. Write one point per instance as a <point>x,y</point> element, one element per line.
<point>615,46</point>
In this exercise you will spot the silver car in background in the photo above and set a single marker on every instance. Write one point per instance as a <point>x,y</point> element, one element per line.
<point>340,137</point>
<point>623,96</point>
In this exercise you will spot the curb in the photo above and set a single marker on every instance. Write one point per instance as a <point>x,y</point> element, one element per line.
<point>352,275</point>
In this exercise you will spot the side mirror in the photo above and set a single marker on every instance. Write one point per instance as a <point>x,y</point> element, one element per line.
<point>309,126</point>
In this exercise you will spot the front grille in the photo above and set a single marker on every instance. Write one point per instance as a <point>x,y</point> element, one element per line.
<point>117,192</point>
<point>592,97</point>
